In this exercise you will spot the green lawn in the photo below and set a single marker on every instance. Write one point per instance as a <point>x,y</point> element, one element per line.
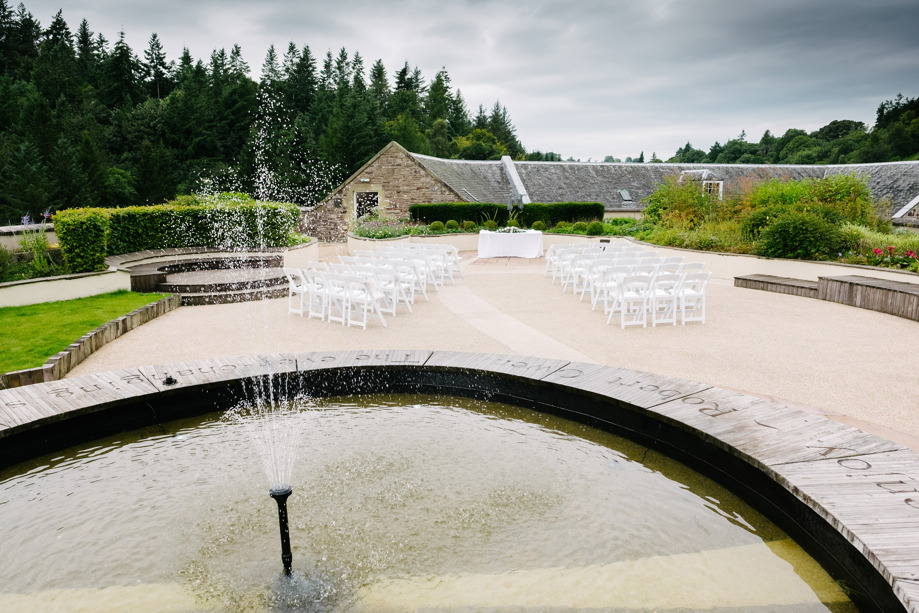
<point>29,335</point>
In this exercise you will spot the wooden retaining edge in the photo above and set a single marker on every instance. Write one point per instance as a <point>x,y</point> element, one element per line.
<point>63,362</point>
<point>892,297</point>
<point>780,285</point>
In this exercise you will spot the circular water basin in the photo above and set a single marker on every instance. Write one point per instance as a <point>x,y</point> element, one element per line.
<point>400,503</point>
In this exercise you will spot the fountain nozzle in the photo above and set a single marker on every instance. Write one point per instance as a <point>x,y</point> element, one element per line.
<point>280,494</point>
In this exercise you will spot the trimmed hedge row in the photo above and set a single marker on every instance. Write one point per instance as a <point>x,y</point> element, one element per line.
<point>227,222</point>
<point>81,234</point>
<point>478,212</point>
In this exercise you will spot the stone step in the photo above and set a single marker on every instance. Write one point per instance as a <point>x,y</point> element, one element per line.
<point>247,295</point>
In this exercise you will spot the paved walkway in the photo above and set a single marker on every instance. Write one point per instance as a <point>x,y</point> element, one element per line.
<point>853,365</point>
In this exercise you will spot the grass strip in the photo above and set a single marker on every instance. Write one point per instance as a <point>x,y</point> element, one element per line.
<point>31,334</point>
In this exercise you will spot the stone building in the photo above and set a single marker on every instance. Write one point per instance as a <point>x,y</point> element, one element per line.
<point>394,179</point>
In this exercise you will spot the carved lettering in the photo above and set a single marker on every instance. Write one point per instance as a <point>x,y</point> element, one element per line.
<point>60,393</point>
<point>569,373</point>
<point>715,410</point>
<point>899,487</point>
<point>328,358</point>
<point>649,388</point>
<point>668,393</point>
<point>94,388</point>
<point>186,372</point>
<point>16,405</point>
<point>362,356</point>
<point>693,400</point>
<point>830,450</point>
<point>133,379</point>
<point>854,464</point>
<point>759,423</point>
<point>406,359</point>
<point>912,503</point>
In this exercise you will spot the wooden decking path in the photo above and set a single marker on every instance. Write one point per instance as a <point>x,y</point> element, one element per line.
<point>893,297</point>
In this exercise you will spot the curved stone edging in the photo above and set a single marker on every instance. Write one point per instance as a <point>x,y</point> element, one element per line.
<point>64,361</point>
<point>850,498</point>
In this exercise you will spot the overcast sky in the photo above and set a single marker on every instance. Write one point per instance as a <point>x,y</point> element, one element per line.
<point>584,78</point>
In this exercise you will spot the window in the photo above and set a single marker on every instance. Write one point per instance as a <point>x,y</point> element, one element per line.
<point>626,197</point>
<point>365,202</point>
<point>715,188</point>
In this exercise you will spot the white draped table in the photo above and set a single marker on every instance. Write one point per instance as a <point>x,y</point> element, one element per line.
<point>510,244</point>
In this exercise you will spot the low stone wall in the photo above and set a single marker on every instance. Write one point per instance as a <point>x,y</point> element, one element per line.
<point>63,362</point>
<point>65,287</point>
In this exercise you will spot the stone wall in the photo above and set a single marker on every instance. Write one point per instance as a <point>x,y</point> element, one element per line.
<point>397,179</point>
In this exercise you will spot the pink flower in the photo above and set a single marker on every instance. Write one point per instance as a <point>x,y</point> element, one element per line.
<point>890,249</point>
<point>911,254</point>
<point>878,251</point>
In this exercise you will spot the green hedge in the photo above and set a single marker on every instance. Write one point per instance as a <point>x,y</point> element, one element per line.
<point>227,221</point>
<point>188,223</point>
<point>548,213</point>
<point>82,235</point>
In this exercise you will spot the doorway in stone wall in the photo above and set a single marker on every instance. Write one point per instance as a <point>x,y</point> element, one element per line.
<point>365,202</point>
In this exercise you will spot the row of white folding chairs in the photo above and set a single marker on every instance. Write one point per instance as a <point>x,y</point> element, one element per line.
<point>605,276</point>
<point>444,254</point>
<point>557,253</point>
<point>412,271</point>
<point>563,259</point>
<point>636,297</point>
<point>577,270</point>
<point>347,297</point>
<point>436,263</point>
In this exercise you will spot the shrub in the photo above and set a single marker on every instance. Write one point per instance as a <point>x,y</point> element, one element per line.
<point>579,227</point>
<point>800,235</point>
<point>539,225</point>
<point>452,225</point>
<point>677,204</point>
<point>513,223</point>
<point>367,227</point>
<point>470,226</point>
<point>595,228</point>
<point>753,222</point>
<point>436,227</point>
<point>562,226</point>
<point>82,234</point>
<point>491,224</point>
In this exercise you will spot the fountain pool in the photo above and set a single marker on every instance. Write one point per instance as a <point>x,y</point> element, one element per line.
<point>400,502</point>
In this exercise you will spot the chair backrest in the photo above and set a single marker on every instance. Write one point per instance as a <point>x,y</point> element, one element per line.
<point>644,269</point>
<point>294,277</point>
<point>696,281</point>
<point>692,267</point>
<point>636,283</point>
<point>669,283</point>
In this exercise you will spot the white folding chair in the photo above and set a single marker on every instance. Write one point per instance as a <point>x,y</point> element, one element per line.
<point>363,298</point>
<point>607,288</point>
<point>692,297</point>
<point>296,286</point>
<point>632,301</point>
<point>318,296</point>
<point>665,292</point>
<point>337,303</point>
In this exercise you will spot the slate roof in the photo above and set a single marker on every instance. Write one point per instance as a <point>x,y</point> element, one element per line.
<point>473,180</point>
<point>592,182</point>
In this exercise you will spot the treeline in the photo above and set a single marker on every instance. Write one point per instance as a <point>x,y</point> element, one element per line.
<point>894,137</point>
<point>86,122</point>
